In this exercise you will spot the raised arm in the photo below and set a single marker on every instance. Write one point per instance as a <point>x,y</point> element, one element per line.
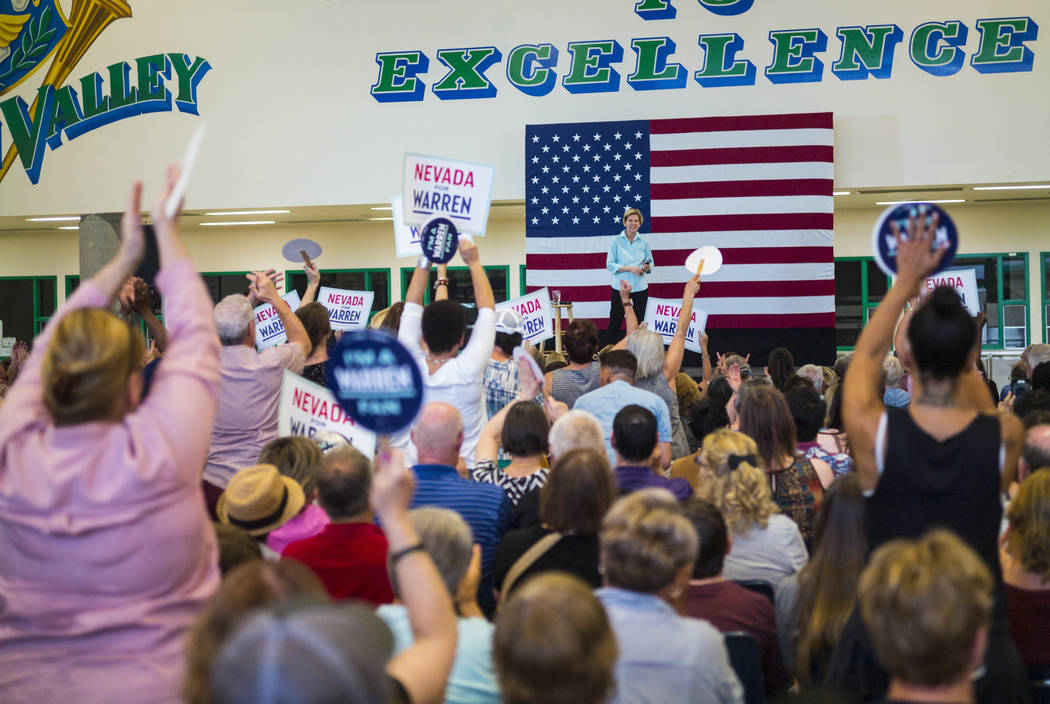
<point>705,361</point>
<point>483,296</point>
<point>423,667</point>
<point>676,350</point>
<point>139,301</point>
<point>862,404</point>
<point>441,285</point>
<point>628,314</point>
<point>265,291</point>
<point>313,282</point>
<point>24,402</point>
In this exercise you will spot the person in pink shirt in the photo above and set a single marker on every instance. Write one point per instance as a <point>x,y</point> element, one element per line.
<point>106,554</point>
<point>250,382</point>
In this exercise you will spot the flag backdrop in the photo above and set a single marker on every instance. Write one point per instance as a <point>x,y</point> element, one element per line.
<point>757,187</point>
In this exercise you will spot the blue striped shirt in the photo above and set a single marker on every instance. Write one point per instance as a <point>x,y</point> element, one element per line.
<point>485,508</point>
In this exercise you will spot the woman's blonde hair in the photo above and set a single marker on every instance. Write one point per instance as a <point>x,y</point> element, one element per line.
<point>645,540</point>
<point>741,493</point>
<point>87,365</point>
<point>632,211</point>
<point>1029,515</point>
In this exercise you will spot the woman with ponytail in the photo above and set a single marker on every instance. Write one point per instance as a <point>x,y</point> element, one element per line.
<point>106,552</point>
<point>767,545</point>
<point>940,462</point>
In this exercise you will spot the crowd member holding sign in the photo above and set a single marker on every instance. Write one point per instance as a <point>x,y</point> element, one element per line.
<point>106,553</point>
<point>501,373</point>
<point>250,382</point>
<point>657,370</point>
<point>630,259</point>
<point>452,373</point>
<point>941,461</point>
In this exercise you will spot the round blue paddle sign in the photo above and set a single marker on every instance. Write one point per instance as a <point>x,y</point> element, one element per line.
<point>439,240</point>
<point>376,381</point>
<point>884,245</point>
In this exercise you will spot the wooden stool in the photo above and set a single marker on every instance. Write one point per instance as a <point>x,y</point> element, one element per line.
<point>558,307</point>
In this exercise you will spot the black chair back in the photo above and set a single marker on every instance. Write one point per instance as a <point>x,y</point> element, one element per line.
<point>759,586</point>
<point>747,664</point>
<point>1039,676</point>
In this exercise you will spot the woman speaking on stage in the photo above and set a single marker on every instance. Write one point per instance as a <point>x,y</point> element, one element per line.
<point>630,260</point>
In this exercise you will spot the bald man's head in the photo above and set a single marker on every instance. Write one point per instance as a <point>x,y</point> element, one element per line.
<point>438,434</point>
<point>1036,452</point>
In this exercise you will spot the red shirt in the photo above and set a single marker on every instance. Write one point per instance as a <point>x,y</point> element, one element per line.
<point>1028,612</point>
<point>730,607</point>
<point>350,558</point>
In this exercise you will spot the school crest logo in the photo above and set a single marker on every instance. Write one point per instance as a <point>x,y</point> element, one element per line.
<point>37,33</point>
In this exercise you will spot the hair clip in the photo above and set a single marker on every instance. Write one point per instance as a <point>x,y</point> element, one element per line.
<point>735,460</point>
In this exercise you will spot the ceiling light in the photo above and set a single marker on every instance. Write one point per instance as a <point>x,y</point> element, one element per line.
<point>840,193</point>
<point>63,218</point>
<point>244,222</point>
<point>248,212</point>
<point>1008,188</point>
<point>380,218</point>
<point>70,227</point>
<point>902,202</point>
<point>386,207</point>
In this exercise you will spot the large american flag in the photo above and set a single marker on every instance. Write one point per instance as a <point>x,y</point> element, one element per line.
<point>757,187</point>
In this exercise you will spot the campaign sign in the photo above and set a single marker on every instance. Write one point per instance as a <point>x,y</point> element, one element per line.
<point>406,237</point>
<point>269,330</point>
<point>535,311</point>
<point>457,190</point>
<point>306,408</point>
<point>347,310</point>
<point>964,281</point>
<point>376,380</point>
<point>662,316</point>
<point>439,240</point>
<point>884,244</point>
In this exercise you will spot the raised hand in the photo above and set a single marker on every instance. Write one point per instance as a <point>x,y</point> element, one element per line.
<point>132,241</point>
<point>625,291</point>
<point>392,484</point>
<point>692,286</point>
<point>468,250</point>
<point>262,286</point>
<point>915,258</point>
<point>313,276</point>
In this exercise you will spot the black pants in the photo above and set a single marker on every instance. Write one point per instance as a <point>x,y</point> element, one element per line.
<point>616,314</point>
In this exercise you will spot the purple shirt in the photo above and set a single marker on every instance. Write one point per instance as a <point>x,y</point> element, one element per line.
<point>106,552</point>
<point>634,477</point>
<point>249,392</point>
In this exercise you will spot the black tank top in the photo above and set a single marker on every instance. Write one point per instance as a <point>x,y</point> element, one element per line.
<point>928,483</point>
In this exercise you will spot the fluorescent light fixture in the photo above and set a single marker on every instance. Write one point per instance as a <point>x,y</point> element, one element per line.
<point>62,218</point>
<point>385,207</point>
<point>380,218</point>
<point>70,227</point>
<point>248,212</point>
<point>902,202</point>
<point>840,193</point>
<point>243,222</point>
<point>1009,188</point>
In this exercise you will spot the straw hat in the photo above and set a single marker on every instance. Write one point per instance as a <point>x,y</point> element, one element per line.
<point>259,499</point>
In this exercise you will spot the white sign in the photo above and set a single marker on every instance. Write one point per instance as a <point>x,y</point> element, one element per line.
<point>458,190</point>
<point>535,311</point>
<point>269,330</point>
<point>406,237</point>
<point>347,310</point>
<point>662,316</point>
<point>306,408</point>
<point>964,281</point>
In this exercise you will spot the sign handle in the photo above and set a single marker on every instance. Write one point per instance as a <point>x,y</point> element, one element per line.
<point>699,268</point>
<point>306,258</point>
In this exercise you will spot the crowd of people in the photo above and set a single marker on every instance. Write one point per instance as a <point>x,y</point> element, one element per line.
<point>610,530</point>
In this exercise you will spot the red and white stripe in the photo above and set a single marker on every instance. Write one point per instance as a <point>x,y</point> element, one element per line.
<point>758,188</point>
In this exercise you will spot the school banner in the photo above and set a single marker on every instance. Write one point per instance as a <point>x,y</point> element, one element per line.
<point>347,310</point>
<point>662,316</point>
<point>269,330</point>
<point>306,408</point>
<point>535,311</point>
